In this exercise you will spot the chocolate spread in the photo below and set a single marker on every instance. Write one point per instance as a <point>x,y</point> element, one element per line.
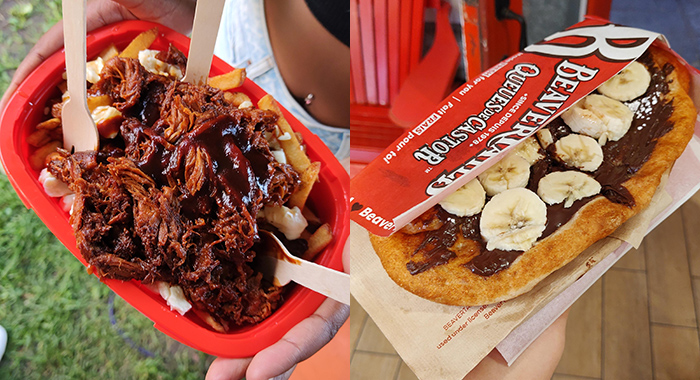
<point>622,159</point>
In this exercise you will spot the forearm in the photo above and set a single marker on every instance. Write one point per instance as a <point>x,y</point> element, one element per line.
<point>537,362</point>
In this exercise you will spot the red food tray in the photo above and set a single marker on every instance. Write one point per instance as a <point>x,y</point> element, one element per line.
<point>329,199</point>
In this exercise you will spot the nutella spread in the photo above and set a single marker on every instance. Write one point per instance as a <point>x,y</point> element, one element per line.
<point>622,159</point>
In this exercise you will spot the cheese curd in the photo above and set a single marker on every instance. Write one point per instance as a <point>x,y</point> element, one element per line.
<point>290,222</point>
<point>52,185</point>
<point>93,70</point>
<point>175,297</point>
<point>148,60</point>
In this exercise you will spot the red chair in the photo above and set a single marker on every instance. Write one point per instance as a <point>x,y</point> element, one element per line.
<point>392,84</point>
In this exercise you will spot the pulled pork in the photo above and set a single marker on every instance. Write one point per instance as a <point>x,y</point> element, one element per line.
<point>175,197</point>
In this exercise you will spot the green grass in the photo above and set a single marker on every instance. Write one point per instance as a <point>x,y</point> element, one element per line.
<point>56,315</point>
<point>22,22</point>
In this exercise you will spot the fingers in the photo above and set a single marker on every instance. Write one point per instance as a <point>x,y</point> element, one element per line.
<point>6,96</point>
<point>286,375</point>
<point>104,12</point>
<point>175,14</point>
<point>227,369</point>
<point>538,361</point>
<point>302,341</point>
<point>278,361</point>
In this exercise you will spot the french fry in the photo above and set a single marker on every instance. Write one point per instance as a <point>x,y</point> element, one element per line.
<point>229,80</point>
<point>54,155</point>
<point>63,86</point>
<point>296,155</point>
<point>208,319</point>
<point>57,109</point>
<point>38,159</point>
<point>308,178</point>
<point>109,52</point>
<point>38,138</point>
<point>289,143</point>
<point>49,124</point>
<point>318,241</point>
<point>236,98</point>
<point>310,216</point>
<point>141,42</point>
<point>97,101</point>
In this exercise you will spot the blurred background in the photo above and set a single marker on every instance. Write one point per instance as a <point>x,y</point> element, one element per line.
<point>640,320</point>
<point>61,322</point>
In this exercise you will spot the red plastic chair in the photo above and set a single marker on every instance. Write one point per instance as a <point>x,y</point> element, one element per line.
<point>392,84</point>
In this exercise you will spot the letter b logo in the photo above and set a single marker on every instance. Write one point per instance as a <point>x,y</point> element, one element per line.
<point>626,45</point>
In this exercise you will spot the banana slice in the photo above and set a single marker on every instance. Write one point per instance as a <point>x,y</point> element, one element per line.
<point>544,136</point>
<point>510,172</point>
<point>579,151</point>
<point>599,117</point>
<point>468,200</point>
<point>566,187</point>
<point>513,220</point>
<point>529,150</point>
<point>628,84</point>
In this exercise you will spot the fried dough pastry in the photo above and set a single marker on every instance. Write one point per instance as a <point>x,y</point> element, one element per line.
<point>444,258</point>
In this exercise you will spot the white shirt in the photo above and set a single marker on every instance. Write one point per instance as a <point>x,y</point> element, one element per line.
<point>243,42</point>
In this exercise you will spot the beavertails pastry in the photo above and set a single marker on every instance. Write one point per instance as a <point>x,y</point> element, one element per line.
<point>184,179</point>
<point>554,195</point>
